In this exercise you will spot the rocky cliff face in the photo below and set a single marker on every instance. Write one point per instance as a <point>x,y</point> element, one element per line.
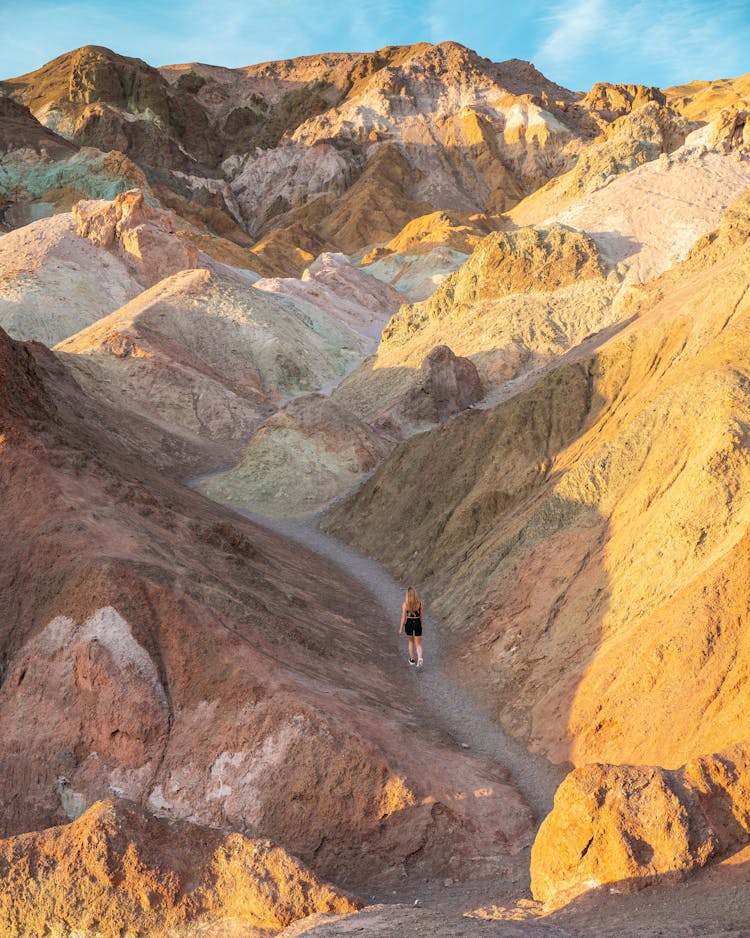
<point>20,130</point>
<point>341,151</point>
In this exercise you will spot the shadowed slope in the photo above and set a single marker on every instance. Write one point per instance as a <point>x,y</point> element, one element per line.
<point>199,666</point>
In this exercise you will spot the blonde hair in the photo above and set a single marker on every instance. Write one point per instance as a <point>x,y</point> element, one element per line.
<point>412,600</point>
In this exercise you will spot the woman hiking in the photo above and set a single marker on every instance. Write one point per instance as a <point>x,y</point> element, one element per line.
<point>411,620</point>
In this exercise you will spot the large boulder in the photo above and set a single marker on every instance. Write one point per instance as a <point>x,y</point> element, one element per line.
<point>446,384</point>
<point>633,825</point>
<point>450,384</point>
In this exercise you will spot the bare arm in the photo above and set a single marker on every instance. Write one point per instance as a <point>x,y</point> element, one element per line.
<point>403,619</point>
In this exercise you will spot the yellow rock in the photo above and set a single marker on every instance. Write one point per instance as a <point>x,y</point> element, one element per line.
<point>627,826</point>
<point>116,868</point>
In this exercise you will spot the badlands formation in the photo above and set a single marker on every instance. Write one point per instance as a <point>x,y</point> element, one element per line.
<point>488,332</point>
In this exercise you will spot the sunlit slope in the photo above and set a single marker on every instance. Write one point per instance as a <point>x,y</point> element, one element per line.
<point>588,537</point>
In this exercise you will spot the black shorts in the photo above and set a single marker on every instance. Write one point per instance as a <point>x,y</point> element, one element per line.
<point>413,626</point>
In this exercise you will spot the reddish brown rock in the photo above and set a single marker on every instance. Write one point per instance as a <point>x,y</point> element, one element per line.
<point>19,129</point>
<point>182,658</point>
<point>448,384</point>
<point>450,381</point>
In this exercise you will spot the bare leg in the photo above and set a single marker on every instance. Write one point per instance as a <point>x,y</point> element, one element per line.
<point>411,647</point>
<point>419,647</point>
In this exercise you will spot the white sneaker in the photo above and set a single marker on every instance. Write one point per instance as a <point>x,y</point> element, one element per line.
<point>419,664</point>
<point>412,662</point>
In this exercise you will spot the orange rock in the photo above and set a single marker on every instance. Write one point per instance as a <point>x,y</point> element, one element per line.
<point>456,230</point>
<point>634,825</point>
<point>617,824</point>
<point>116,868</point>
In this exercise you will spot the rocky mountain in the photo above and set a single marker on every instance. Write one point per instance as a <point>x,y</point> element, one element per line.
<point>554,466</point>
<point>335,152</point>
<point>495,332</point>
<point>589,536</point>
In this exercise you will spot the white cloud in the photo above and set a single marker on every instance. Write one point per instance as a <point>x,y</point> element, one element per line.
<point>575,31</point>
<point>436,19</point>
<point>663,42</point>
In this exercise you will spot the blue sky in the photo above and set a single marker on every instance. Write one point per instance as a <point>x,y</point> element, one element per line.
<point>574,43</point>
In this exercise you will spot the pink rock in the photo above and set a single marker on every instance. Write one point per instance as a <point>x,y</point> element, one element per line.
<point>143,236</point>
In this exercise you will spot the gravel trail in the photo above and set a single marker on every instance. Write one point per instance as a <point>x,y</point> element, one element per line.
<point>451,707</point>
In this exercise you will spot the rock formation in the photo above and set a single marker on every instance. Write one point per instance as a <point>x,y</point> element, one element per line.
<point>301,458</point>
<point>446,385</point>
<point>636,138</point>
<point>455,230</point>
<point>648,218</point>
<point>143,237</point>
<point>607,102</point>
<point>546,497</point>
<point>210,355</point>
<point>20,130</point>
<point>52,270</point>
<point>204,352</point>
<point>416,129</point>
<point>117,868</point>
<point>34,186</point>
<point>416,276</point>
<point>635,825</point>
<point>552,288</point>
<point>361,301</point>
<point>120,103</point>
<point>703,100</point>
<point>51,282</point>
<point>522,297</point>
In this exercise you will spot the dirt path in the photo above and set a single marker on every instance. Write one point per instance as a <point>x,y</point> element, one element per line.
<point>451,707</point>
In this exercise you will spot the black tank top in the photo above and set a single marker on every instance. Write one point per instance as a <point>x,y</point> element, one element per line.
<point>415,616</point>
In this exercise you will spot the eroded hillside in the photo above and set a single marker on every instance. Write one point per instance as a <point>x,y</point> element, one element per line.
<point>497,331</point>
<point>183,660</point>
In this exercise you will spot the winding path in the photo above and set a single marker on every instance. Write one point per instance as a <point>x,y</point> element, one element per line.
<point>452,708</point>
